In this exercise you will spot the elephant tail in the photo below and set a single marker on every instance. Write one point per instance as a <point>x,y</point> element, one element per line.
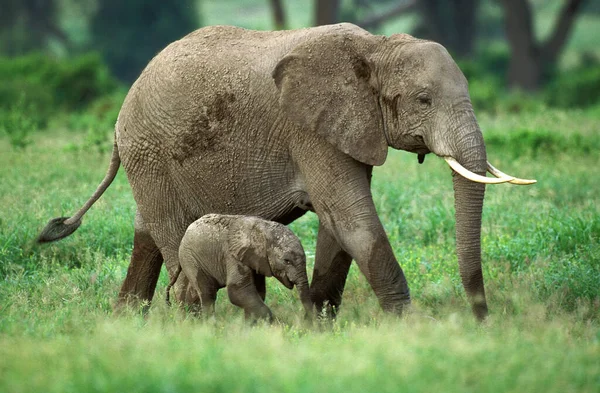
<point>173,280</point>
<point>61,227</point>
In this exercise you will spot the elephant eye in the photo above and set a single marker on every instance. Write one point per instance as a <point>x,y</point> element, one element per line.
<point>424,100</point>
<point>287,261</point>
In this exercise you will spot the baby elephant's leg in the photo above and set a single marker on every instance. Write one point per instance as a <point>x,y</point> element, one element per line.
<point>246,296</point>
<point>259,283</point>
<point>207,289</point>
<point>207,300</point>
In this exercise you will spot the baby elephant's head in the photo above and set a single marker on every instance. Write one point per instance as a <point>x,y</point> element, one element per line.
<point>272,249</point>
<point>286,256</point>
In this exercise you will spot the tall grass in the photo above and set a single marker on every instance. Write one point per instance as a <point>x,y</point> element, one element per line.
<point>411,355</point>
<point>541,254</point>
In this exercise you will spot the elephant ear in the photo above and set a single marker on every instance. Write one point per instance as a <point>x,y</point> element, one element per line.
<point>325,84</point>
<point>248,245</point>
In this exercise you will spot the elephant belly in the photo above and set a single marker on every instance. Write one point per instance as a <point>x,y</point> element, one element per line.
<point>227,184</point>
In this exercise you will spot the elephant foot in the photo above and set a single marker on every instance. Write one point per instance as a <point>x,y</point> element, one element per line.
<point>256,316</point>
<point>396,305</point>
<point>131,304</point>
<point>480,310</point>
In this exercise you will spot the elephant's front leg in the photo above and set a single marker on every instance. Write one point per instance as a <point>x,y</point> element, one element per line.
<point>329,277</point>
<point>245,295</point>
<point>340,192</point>
<point>363,237</point>
<point>373,253</point>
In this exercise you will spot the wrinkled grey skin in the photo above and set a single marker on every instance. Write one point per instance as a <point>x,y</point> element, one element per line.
<point>238,252</point>
<point>273,124</point>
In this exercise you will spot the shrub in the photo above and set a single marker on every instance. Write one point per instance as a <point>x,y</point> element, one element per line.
<point>83,80</point>
<point>102,113</point>
<point>485,74</point>
<point>22,86</point>
<point>490,62</point>
<point>18,122</point>
<point>49,85</point>
<point>576,88</point>
<point>485,93</point>
<point>533,142</point>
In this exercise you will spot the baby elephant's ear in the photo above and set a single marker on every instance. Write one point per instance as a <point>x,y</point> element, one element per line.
<point>249,246</point>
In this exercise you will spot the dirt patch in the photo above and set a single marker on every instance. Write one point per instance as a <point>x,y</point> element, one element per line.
<point>202,134</point>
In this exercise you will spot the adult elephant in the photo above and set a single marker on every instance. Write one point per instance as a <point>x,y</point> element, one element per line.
<point>273,124</point>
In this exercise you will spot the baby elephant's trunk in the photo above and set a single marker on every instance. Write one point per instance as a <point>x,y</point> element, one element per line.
<point>173,280</point>
<point>304,292</point>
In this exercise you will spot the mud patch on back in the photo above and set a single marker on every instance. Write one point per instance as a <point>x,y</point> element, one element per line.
<point>219,109</point>
<point>203,131</point>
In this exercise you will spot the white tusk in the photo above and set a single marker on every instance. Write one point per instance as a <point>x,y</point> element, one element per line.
<point>473,176</point>
<point>515,180</point>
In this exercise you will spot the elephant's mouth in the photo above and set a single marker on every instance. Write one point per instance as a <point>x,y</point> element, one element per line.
<point>501,177</point>
<point>420,150</point>
<point>286,282</point>
<point>412,144</point>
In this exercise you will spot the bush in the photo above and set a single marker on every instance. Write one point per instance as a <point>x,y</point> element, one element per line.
<point>576,88</point>
<point>22,85</point>
<point>82,81</point>
<point>101,113</point>
<point>18,122</point>
<point>533,142</point>
<point>130,33</point>
<point>485,93</point>
<point>490,62</point>
<point>485,74</point>
<point>49,85</point>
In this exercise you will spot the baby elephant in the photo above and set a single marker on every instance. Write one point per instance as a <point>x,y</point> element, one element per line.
<point>237,252</point>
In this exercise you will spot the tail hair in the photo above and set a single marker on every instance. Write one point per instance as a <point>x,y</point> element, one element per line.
<point>58,228</point>
<point>61,227</point>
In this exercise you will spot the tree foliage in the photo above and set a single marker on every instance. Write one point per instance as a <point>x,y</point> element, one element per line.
<point>129,33</point>
<point>451,23</point>
<point>29,25</point>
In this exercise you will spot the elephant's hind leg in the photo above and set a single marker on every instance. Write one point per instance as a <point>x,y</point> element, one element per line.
<point>144,269</point>
<point>329,277</point>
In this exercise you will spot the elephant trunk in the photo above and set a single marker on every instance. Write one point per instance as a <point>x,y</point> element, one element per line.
<point>468,196</point>
<point>304,293</point>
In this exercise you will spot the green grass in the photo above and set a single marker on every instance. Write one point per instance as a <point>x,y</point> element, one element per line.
<point>541,252</point>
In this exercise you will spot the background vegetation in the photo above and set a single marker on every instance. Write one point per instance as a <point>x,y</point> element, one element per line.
<point>541,244</point>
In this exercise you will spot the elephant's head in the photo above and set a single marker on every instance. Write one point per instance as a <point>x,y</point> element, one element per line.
<point>364,93</point>
<point>272,249</point>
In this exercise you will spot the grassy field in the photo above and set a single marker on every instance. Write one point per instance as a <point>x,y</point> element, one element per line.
<point>541,251</point>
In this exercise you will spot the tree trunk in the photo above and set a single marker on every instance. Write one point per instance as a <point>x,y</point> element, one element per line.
<point>466,26</point>
<point>530,61</point>
<point>524,70</point>
<point>279,19</point>
<point>326,12</point>
<point>555,43</point>
<point>27,25</point>
<point>373,21</point>
<point>451,23</point>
